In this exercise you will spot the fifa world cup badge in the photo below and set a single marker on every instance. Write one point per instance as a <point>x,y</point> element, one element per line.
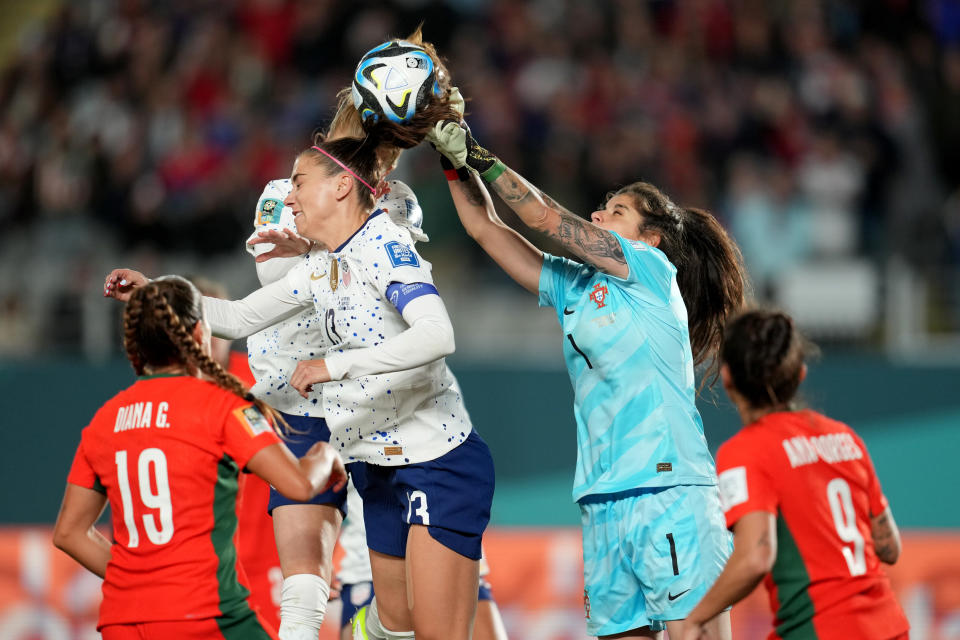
<point>334,274</point>
<point>599,295</point>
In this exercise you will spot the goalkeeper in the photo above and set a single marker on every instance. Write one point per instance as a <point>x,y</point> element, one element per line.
<point>644,303</point>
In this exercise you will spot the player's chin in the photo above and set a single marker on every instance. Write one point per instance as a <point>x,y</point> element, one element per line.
<point>300,222</point>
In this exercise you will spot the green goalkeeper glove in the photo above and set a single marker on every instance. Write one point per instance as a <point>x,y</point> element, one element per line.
<point>453,140</point>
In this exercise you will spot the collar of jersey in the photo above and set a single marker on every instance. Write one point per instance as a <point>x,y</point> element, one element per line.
<point>365,222</point>
<point>150,376</point>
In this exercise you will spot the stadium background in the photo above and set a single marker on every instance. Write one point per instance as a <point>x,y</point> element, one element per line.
<point>825,135</point>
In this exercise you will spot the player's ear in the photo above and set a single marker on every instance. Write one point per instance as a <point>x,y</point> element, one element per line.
<point>803,372</point>
<point>651,237</point>
<point>344,186</point>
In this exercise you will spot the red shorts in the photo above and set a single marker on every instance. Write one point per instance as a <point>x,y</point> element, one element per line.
<point>210,628</point>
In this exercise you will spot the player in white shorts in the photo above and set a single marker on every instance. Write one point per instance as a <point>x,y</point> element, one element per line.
<point>393,403</point>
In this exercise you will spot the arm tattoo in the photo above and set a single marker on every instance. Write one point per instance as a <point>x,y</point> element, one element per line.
<point>586,240</point>
<point>884,541</point>
<point>514,191</point>
<point>577,235</point>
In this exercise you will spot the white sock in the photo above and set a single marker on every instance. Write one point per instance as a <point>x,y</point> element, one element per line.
<point>376,631</point>
<point>303,603</point>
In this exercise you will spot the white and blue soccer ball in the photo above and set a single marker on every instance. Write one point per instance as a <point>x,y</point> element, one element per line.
<point>393,81</point>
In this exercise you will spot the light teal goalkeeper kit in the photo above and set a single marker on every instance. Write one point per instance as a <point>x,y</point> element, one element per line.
<point>627,350</point>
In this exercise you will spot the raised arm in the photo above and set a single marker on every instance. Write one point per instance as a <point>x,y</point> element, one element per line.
<point>232,319</point>
<point>521,260</point>
<point>536,209</point>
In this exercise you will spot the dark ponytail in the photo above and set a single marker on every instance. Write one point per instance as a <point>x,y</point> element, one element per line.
<point>765,354</point>
<point>712,281</point>
<point>710,271</point>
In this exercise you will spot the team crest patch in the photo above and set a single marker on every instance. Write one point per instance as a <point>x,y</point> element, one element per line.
<point>269,211</point>
<point>599,295</point>
<point>401,255</point>
<point>252,420</point>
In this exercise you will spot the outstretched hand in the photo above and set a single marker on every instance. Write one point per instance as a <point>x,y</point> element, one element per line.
<point>120,283</point>
<point>287,244</point>
<point>450,139</point>
<point>455,142</point>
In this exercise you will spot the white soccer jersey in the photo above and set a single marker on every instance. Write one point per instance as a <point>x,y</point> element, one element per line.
<point>408,416</point>
<point>274,352</point>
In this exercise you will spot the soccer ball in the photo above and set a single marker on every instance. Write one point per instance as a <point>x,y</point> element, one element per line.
<point>393,81</point>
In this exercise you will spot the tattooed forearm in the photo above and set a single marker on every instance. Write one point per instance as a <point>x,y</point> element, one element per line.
<point>885,540</point>
<point>584,239</point>
<point>540,211</point>
<point>511,188</point>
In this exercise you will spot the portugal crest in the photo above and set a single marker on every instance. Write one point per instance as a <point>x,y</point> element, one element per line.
<point>599,295</point>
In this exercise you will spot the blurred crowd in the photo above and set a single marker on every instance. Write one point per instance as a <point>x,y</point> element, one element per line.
<point>815,130</point>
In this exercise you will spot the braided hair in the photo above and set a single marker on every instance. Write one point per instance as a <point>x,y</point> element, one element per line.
<point>158,324</point>
<point>765,355</point>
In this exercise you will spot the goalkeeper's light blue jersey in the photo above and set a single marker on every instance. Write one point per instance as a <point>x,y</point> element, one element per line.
<point>627,349</point>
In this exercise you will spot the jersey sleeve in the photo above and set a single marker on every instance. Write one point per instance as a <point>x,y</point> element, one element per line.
<point>555,275</point>
<point>878,501</point>
<point>82,473</point>
<point>745,483</point>
<point>246,431</point>
<point>649,268</point>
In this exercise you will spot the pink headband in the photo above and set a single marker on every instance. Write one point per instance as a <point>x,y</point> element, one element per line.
<point>345,168</point>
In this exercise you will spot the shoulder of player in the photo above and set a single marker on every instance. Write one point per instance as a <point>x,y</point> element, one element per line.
<point>640,251</point>
<point>384,238</point>
<point>750,445</point>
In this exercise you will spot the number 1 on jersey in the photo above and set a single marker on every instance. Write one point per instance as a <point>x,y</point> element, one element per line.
<point>159,499</point>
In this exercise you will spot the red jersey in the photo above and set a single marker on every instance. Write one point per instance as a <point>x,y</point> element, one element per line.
<point>255,542</point>
<point>815,475</point>
<point>167,452</point>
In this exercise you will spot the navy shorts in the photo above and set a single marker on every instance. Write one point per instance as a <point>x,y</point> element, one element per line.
<point>307,431</point>
<point>451,496</point>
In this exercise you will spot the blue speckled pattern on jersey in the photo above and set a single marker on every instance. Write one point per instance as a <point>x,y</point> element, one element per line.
<point>627,350</point>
